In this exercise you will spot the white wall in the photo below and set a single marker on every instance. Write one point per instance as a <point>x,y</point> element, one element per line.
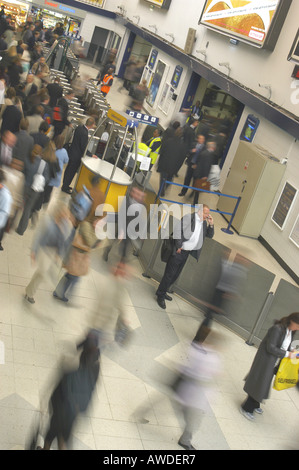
<point>249,66</point>
<point>281,145</point>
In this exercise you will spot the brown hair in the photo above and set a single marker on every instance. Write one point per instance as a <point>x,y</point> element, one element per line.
<point>286,321</point>
<point>48,154</point>
<point>59,141</point>
<point>36,152</point>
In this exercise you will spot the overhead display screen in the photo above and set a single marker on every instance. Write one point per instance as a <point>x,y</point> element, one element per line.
<point>251,21</point>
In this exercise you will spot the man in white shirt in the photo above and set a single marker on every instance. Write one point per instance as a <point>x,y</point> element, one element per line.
<point>188,237</point>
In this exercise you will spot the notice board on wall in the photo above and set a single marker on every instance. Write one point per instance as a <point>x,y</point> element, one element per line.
<point>284,205</point>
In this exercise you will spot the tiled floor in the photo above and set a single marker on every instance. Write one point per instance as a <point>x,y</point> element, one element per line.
<point>37,337</point>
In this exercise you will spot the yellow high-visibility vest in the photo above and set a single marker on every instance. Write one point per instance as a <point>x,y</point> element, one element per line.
<point>154,155</point>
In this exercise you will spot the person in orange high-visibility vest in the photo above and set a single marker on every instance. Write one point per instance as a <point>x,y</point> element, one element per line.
<point>107,82</point>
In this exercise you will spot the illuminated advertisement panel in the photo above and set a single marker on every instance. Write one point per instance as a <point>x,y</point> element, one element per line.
<point>257,22</point>
<point>160,3</point>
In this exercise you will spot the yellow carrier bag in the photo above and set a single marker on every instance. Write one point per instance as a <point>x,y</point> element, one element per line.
<point>287,374</point>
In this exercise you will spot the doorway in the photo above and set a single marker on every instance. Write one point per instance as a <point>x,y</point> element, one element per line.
<point>220,112</point>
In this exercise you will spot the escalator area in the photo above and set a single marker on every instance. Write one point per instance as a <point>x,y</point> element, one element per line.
<point>61,57</point>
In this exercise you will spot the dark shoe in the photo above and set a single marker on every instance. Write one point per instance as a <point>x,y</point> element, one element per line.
<point>181,194</point>
<point>30,299</point>
<point>1,247</point>
<point>161,302</point>
<point>63,299</point>
<point>18,232</point>
<point>67,190</point>
<point>167,297</point>
<point>186,446</point>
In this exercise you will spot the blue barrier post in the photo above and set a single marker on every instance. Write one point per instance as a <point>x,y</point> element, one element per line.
<point>160,190</point>
<point>227,230</point>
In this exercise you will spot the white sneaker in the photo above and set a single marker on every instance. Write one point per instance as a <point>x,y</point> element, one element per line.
<point>259,411</point>
<point>246,414</point>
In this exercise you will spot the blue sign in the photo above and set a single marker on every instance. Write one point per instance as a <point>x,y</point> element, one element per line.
<point>144,118</point>
<point>176,76</point>
<point>153,58</point>
<point>250,128</point>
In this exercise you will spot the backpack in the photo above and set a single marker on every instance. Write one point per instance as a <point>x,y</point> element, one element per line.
<point>39,181</point>
<point>81,204</point>
<point>57,113</point>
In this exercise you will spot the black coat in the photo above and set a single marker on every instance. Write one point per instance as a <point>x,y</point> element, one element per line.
<point>189,138</point>
<point>172,155</point>
<point>78,145</point>
<point>259,379</point>
<point>204,163</point>
<point>55,92</point>
<point>11,119</point>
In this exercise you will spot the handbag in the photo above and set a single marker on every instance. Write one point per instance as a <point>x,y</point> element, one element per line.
<point>167,249</point>
<point>287,374</point>
<point>39,181</point>
<point>202,183</point>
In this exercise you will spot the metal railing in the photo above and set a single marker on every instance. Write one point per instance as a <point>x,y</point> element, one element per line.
<point>232,214</point>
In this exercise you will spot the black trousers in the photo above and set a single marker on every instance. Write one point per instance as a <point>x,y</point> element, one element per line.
<point>173,269</point>
<point>70,171</point>
<point>188,177</point>
<point>250,404</point>
<point>206,324</point>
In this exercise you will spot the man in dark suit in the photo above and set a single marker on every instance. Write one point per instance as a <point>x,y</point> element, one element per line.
<point>188,237</point>
<point>189,139</point>
<point>55,91</point>
<point>76,152</point>
<point>203,166</point>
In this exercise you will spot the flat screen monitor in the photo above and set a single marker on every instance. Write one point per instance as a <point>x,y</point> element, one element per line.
<point>255,22</point>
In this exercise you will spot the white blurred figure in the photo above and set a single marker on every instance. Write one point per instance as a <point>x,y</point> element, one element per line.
<point>195,379</point>
<point>109,315</point>
<point>229,287</point>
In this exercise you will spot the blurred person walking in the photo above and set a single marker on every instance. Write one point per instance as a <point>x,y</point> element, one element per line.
<point>62,158</point>
<point>189,138</point>
<point>48,249</point>
<point>73,393</point>
<point>194,380</point>
<point>276,345</point>
<point>229,287</point>
<point>202,169</point>
<point>35,169</point>
<point>5,206</point>
<point>77,261</point>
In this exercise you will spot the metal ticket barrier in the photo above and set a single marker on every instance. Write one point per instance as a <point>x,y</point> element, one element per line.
<point>105,156</point>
